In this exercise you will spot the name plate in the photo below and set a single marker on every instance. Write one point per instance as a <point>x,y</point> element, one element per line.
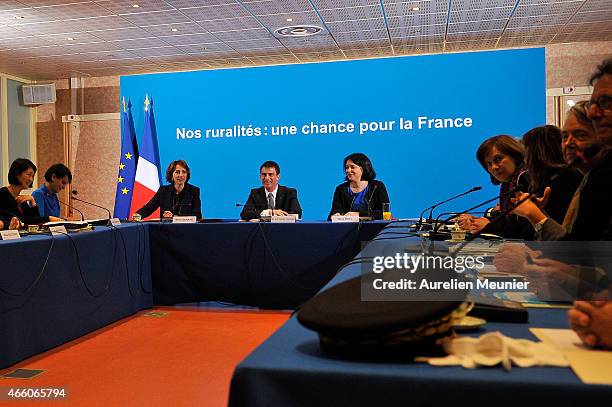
<point>114,222</point>
<point>344,219</point>
<point>9,234</point>
<point>184,219</point>
<point>283,219</point>
<point>58,230</point>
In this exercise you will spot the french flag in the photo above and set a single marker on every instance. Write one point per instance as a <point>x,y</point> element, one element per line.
<point>148,175</point>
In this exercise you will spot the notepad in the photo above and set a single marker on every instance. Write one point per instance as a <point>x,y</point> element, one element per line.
<point>590,365</point>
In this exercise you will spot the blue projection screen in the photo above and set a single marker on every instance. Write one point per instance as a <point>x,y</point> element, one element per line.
<point>419,119</point>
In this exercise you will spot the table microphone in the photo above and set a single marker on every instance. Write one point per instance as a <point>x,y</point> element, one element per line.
<point>74,192</point>
<point>474,189</point>
<point>72,207</point>
<point>588,153</point>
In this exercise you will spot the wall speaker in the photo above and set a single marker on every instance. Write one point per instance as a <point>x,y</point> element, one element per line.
<point>38,94</point>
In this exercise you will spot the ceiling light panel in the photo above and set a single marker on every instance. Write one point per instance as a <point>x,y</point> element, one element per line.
<point>356,25</point>
<point>71,11</point>
<point>215,12</point>
<point>139,43</point>
<point>352,13</point>
<point>474,36</point>
<point>77,38</point>
<point>239,35</point>
<point>477,15</point>
<point>459,5</point>
<point>361,35</point>
<point>125,6</point>
<point>525,40</point>
<point>307,44</point>
<point>485,25</point>
<point>321,56</point>
<point>240,23</point>
<point>329,4</point>
<point>195,3</point>
<point>584,36</point>
<point>593,16</point>
<point>548,9</point>
<point>275,21</point>
<point>156,17</point>
<point>41,3</point>
<point>17,17</point>
<point>156,52</point>
<point>121,33</point>
<point>469,45</point>
<point>254,44</point>
<point>228,63</point>
<point>368,53</point>
<point>428,48</point>
<point>216,47</point>
<point>596,5</point>
<point>262,8</point>
<point>55,27</point>
<point>11,5</point>
<point>439,29</point>
<point>586,27</point>
<point>402,9</point>
<point>539,21</point>
<point>26,42</point>
<point>417,40</point>
<point>166,29</point>
<point>189,39</point>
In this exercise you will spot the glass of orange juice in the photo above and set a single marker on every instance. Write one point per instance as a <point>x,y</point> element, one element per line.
<point>386,211</point>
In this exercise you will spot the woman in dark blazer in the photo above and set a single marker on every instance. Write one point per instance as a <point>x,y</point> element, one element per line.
<point>17,209</point>
<point>544,159</point>
<point>361,194</point>
<point>179,198</point>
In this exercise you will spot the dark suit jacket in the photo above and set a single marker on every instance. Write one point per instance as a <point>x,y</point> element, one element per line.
<point>376,196</point>
<point>286,199</point>
<point>594,210</point>
<point>186,203</point>
<point>25,213</point>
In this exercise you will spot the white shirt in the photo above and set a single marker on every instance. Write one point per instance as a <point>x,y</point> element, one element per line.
<point>267,212</point>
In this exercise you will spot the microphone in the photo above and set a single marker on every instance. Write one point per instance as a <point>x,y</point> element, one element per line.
<point>474,189</point>
<point>457,214</point>
<point>589,152</point>
<point>74,192</point>
<point>72,207</point>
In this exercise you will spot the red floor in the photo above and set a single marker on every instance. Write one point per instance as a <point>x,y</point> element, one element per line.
<point>184,359</point>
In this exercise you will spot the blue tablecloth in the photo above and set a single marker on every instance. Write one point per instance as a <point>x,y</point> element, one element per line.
<point>290,369</point>
<point>53,290</point>
<point>269,265</point>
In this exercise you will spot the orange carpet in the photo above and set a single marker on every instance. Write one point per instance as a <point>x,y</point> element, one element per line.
<point>183,359</point>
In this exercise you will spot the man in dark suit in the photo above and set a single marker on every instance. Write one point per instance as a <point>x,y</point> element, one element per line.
<point>271,199</point>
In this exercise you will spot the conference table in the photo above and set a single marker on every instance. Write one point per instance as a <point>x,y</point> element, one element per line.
<point>54,289</point>
<point>290,369</point>
<point>262,264</point>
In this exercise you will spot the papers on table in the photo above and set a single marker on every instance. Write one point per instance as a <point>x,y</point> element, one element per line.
<point>590,365</point>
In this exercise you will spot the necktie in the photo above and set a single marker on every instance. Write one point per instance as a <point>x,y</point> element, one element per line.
<point>572,209</point>
<point>270,201</point>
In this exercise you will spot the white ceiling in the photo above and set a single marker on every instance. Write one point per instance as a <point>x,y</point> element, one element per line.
<point>48,39</point>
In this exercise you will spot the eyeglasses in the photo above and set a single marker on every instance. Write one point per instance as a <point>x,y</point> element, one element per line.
<point>603,102</point>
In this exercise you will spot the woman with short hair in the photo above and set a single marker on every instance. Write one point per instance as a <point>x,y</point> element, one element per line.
<point>17,209</point>
<point>179,198</point>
